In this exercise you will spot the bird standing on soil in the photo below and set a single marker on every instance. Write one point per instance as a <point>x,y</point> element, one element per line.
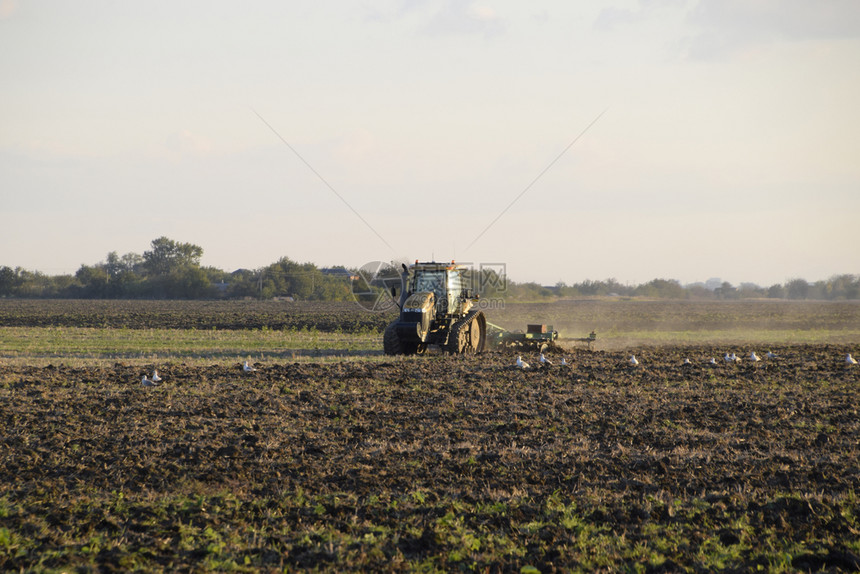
<point>146,382</point>
<point>633,361</point>
<point>687,362</point>
<point>544,360</point>
<point>712,361</point>
<point>770,355</point>
<point>563,361</point>
<point>155,377</point>
<point>849,360</point>
<point>248,368</point>
<point>754,358</point>
<point>521,364</point>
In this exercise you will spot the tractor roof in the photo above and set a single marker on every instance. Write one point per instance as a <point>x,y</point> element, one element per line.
<point>437,266</point>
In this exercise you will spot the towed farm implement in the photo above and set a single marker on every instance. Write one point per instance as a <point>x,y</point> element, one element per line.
<point>537,337</point>
<point>437,308</point>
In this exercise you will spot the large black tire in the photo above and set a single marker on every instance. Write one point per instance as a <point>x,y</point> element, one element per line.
<point>391,344</point>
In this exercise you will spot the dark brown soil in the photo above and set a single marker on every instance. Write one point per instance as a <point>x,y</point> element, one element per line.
<point>437,462</point>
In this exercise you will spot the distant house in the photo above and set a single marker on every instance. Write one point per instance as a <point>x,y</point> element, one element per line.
<point>339,272</point>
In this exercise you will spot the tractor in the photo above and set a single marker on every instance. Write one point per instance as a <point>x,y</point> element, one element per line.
<point>436,308</point>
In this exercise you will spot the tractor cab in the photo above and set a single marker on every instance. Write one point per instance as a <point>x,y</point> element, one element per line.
<point>444,281</point>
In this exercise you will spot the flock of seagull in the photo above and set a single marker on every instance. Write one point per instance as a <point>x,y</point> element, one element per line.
<point>634,362</point>
<point>155,379</point>
<point>733,358</point>
<point>543,361</point>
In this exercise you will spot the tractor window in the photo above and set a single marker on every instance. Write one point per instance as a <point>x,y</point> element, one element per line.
<point>455,283</point>
<point>455,289</point>
<point>430,281</point>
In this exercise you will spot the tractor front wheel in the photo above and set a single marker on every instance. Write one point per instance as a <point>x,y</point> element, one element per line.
<point>391,344</point>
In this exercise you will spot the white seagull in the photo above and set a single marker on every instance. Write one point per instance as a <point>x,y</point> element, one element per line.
<point>563,361</point>
<point>544,360</point>
<point>770,355</point>
<point>754,358</point>
<point>633,361</point>
<point>687,362</point>
<point>849,360</point>
<point>248,368</point>
<point>712,361</point>
<point>521,364</point>
<point>155,377</point>
<point>146,382</point>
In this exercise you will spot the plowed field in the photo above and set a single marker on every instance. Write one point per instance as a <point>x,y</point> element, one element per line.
<point>437,463</point>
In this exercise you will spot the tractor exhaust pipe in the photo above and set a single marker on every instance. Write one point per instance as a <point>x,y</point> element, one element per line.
<point>404,281</point>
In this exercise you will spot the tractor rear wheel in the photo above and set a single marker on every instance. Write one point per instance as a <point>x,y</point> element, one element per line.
<point>468,335</point>
<point>477,333</point>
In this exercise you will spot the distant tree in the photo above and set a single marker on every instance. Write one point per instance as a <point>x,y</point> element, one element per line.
<point>726,291</point>
<point>288,278</point>
<point>750,291</point>
<point>819,290</point>
<point>173,270</point>
<point>699,291</point>
<point>112,265</point>
<point>94,281</point>
<point>189,282</point>
<point>662,288</point>
<point>843,287</point>
<point>66,286</point>
<point>131,262</point>
<point>332,288</point>
<point>167,256</point>
<point>776,291</point>
<point>244,283</point>
<point>10,281</point>
<point>34,284</point>
<point>589,287</point>
<point>797,289</point>
<point>564,290</point>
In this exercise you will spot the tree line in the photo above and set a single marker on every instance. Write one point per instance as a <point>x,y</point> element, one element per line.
<point>837,288</point>
<point>172,270</point>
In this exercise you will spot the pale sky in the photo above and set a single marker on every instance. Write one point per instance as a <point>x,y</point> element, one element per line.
<point>729,146</point>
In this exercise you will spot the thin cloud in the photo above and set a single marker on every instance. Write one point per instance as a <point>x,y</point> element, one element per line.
<point>460,18</point>
<point>612,17</point>
<point>728,26</point>
<point>445,18</point>
<point>716,28</point>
